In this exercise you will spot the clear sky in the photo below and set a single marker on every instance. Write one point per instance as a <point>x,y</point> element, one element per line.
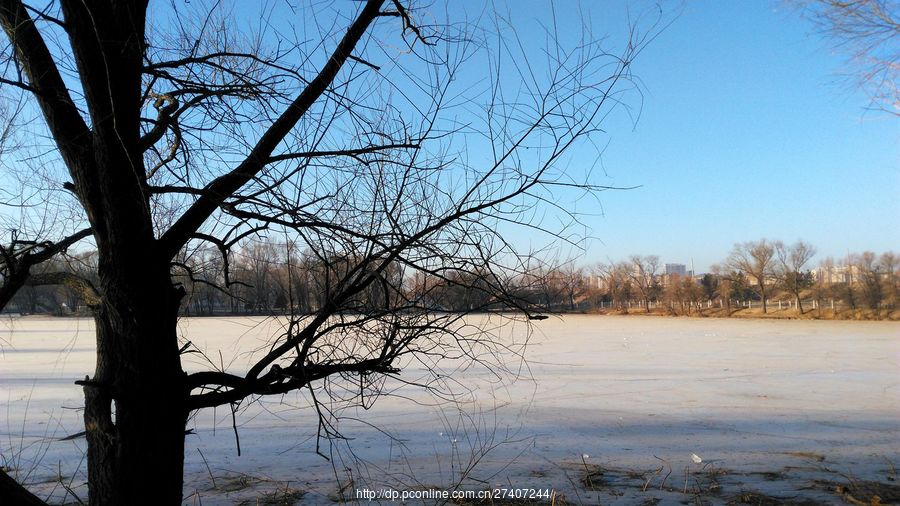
<point>747,132</point>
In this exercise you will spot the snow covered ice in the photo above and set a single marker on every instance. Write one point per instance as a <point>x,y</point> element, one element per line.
<point>730,399</point>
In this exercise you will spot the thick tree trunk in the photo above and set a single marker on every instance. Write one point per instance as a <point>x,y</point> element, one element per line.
<point>762,292</point>
<point>135,404</point>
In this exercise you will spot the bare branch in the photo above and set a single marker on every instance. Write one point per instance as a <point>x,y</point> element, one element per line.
<point>224,186</point>
<point>18,260</point>
<point>69,129</point>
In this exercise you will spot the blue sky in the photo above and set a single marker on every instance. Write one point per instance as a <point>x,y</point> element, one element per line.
<point>747,131</point>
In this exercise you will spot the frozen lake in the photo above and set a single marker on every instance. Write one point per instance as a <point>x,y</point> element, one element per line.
<point>605,408</point>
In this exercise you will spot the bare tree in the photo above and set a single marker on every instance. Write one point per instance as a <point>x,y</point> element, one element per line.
<point>692,292</point>
<point>822,283</point>
<point>617,278</point>
<point>674,292</point>
<point>869,277</point>
<point>257,262</point>
<point>724,285</point>
<point>643,277</point>
<point>888,262</point>
<point>756,260</point>
<point>354,146</point>
<point>867,30</point>
<point>573,283</point>
<point>791,261</point>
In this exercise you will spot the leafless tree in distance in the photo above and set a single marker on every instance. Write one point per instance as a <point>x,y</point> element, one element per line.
<point>869,275</point>
<point>754,259</point>
<point>789,269</point>
<point>643,276</point>
<point>617,278</point>
<point>888,262</point>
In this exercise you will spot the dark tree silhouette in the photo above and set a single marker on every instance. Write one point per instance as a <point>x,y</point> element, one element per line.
<point>184,131</point>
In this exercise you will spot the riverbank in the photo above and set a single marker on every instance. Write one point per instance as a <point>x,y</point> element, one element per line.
<point>772,313</point>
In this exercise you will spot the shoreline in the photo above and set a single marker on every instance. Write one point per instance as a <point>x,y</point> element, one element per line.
<point>858,315</point>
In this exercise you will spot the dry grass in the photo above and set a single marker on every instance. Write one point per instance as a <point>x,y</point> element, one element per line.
<point>760,499</point>
<point>282,495</point>
<point>286,496</point>
<point>712,484</point>
<point>866,493</point>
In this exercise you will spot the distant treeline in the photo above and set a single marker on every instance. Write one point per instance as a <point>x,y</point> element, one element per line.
<point>755,274</point>
<point>266,277</point>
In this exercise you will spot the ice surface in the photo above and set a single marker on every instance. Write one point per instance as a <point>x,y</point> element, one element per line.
<point>773,406</point>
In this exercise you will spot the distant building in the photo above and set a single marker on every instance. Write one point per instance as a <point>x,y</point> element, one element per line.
<point>597,282</point>
<point>679,269</point>
<point>828,275</point>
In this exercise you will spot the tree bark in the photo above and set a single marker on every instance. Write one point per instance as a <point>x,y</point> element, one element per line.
<point>762,292</point>
<point>135,405</point>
